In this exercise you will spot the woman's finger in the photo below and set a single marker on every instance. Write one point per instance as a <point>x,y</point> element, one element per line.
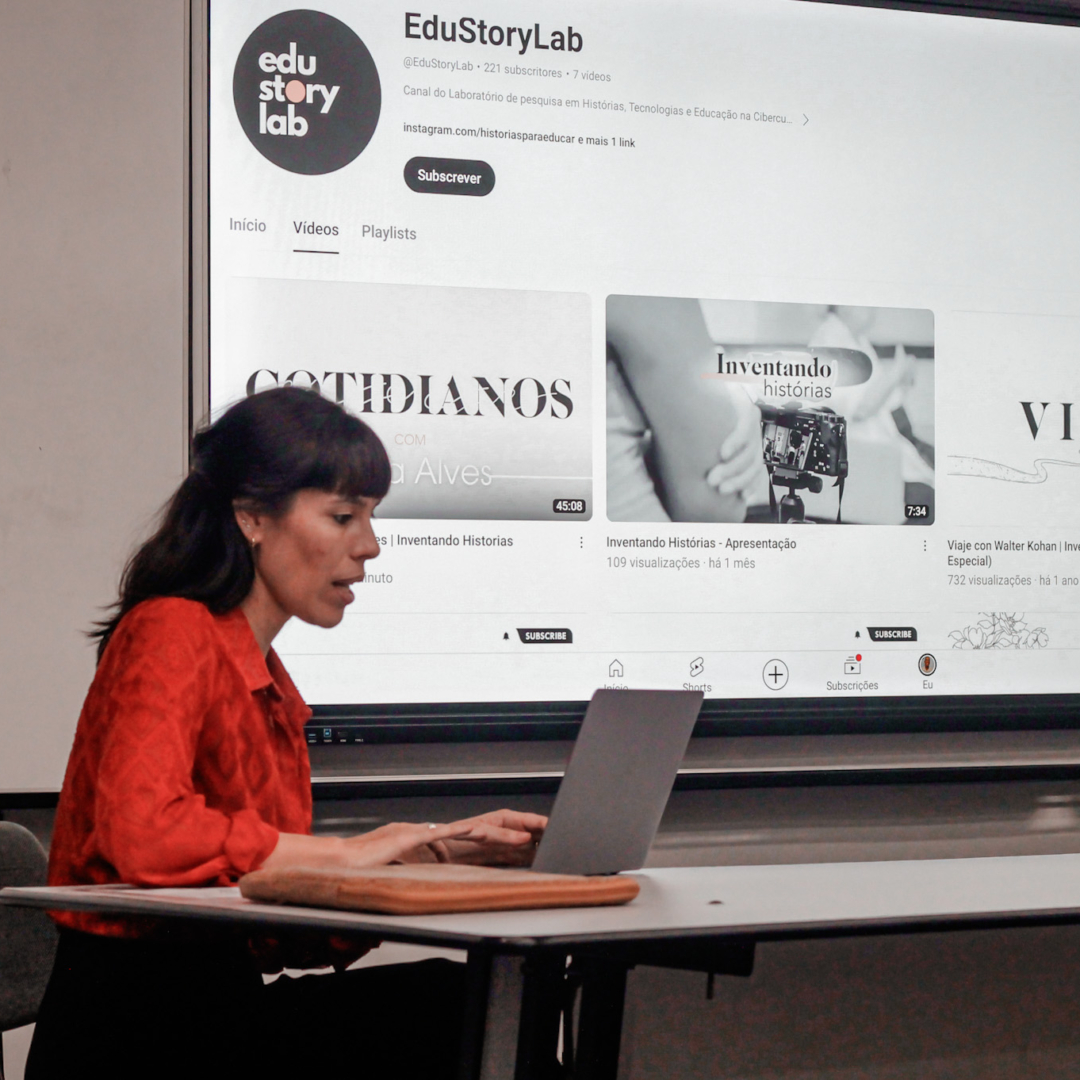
<point>744,480</point>
<point>422,853</point>
<point>720,476</point>
<point>514,819</point>
<point>485,832</point>
<point>441,850</point>
<point>745,432</point>
<point>736,475</point>
<point>743,455</point>
<point>474,854</point>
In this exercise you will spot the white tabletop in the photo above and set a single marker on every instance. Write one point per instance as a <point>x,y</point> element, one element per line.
<point>674,902</point>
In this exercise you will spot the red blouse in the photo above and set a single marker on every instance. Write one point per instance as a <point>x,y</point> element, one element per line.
<point>189,758</point>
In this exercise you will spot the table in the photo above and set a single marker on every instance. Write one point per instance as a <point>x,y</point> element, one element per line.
<point>524,966</point>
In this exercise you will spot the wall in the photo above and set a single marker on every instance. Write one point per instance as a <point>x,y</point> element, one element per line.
<point>92,346</point>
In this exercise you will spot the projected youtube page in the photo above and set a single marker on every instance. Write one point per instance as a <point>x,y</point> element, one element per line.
<point>726,346</point>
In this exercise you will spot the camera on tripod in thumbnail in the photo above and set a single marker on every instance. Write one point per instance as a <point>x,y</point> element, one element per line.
<point>800,446</point>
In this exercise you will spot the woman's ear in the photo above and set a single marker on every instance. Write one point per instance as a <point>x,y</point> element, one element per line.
<point>249,522</point>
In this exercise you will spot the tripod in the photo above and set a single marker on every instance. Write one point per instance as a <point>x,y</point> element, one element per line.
<point>791,509</point>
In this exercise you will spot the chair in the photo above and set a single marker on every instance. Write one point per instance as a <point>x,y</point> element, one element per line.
<point>27,936</point>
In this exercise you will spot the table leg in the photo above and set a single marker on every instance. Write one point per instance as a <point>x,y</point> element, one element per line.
<point>512,1012</point>
<point>477,991</point>
<point>494,991</point>
<point>542,999</point>
<point>603,996</point>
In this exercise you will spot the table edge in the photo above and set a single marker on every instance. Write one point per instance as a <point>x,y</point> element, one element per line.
<point>388,928</point>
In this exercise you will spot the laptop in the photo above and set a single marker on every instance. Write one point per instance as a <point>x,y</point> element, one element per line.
<point>618,781</point>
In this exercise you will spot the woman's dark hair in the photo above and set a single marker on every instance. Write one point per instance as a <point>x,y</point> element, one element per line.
<point>257,455</point>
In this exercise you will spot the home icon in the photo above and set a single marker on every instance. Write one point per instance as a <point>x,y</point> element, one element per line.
<point>615,670</point>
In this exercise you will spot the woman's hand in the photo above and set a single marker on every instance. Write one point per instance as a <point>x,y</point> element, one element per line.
<point>403,842</point>
<point>498,838</point>
<point>396,843</point>
<point>741,463</point>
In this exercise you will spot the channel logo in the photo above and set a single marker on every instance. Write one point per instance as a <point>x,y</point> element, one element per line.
<point>307,92</point>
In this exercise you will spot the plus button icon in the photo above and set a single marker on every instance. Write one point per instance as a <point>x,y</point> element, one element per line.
<point>775,674</point>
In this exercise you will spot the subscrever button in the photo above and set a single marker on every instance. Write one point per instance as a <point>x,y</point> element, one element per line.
<point>449,176</point>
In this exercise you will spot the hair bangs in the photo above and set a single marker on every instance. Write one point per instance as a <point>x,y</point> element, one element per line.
<point>349,460</point>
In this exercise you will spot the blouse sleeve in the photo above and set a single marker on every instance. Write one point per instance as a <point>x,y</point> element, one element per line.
<point>151,823</point>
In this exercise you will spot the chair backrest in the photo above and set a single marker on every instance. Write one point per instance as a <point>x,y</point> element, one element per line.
<point>27,935</point>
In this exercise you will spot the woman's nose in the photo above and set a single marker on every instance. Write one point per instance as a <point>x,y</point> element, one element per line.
<point>367,546</point>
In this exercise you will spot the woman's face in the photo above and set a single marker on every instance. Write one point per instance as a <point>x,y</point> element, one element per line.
<point>307,558</point>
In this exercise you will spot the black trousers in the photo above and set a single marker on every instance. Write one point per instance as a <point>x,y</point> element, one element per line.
<point>199,1009</point>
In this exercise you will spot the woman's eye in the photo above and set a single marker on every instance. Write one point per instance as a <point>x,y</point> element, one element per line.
<point>343,519</point>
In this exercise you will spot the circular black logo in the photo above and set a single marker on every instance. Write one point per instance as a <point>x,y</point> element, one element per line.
<point>306,92</point>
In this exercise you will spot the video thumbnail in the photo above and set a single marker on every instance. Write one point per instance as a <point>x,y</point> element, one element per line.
<point>762,412</point>
<point>482,397</point>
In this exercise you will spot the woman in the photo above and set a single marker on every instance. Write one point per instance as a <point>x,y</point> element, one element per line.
<point>190,767</point>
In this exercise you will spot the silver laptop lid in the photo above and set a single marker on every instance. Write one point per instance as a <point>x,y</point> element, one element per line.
<point>618,781</point>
